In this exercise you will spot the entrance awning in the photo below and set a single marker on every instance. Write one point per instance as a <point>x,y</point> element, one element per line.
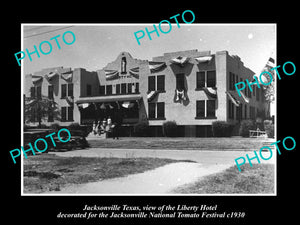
<point>111,98</point>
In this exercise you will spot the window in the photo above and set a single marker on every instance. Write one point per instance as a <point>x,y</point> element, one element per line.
<point>32,92</point>
<point>108,89</point>
<point>156,110</point>
<point>200,79</point>
<point>63,114</point>
<point>200,108</point>
<point>50,92</point>
<point>88,90</point>
<point>161,110</point>
<point>211,78</point>
<point>180,81</point>
<point>39,92</point>
<point>231,81</point>
<point>205,79</point>
<point>118,89</point>
<point>257,93</point>
<point>36,92</point>
<point>66,113</point>
<point>161,83</point>
<point>151,110</point>
<point>245,113</point>
<point>137,88</point>
<point>151,83</point>
<point>230,110</point>
<point>102,90</point>
<point>123,88</point>
<point>129,88</point>
<point>211,108</point>
<point>70,89</point>
<point>63,90</point>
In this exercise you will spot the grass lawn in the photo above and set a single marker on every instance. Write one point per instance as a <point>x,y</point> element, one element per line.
<point>47,172</point>
<point>180,143</point>
<point>258,179</point>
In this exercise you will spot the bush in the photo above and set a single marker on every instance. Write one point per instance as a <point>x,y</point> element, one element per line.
<point>55,126</point>
<point>246,125</point>
<point>84,130</point>
<point>141,129</point>
<point>170,129</point>
<point>269,128</point>
<point>221,129</point>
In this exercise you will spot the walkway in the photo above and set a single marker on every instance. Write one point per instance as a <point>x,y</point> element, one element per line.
<point>161,180</point>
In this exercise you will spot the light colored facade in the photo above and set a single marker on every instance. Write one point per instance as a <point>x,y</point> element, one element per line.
<point>190,87</point>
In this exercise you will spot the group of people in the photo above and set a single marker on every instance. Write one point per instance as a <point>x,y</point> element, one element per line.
<point>106,127</point>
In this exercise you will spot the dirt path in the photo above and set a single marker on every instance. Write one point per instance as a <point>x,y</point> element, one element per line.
<point>158,181</point>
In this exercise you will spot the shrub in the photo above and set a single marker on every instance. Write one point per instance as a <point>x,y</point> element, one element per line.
<point>55,126</point>
<point>269,128</point>
<point>141,129</point>
<point>170,129</point>
<point>246,125</point>
<point>84,130</point>
<point>222,129</point>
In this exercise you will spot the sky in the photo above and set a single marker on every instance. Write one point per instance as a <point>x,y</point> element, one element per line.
<point>97,45</point>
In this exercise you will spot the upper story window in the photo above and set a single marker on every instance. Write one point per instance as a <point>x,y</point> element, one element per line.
<point>156,83</point>
<point>205,79</point>
<point>66,90</point>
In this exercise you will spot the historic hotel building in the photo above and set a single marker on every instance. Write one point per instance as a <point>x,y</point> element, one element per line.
<point>190,87</point>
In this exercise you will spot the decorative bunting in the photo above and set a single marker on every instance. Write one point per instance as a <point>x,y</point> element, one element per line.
<point>49,76</point>
<point>212,92</point>
<point>36,79</point>
<point>135,72</point>
<point>111,74</point>
<point>244,97</point>
<point>233,99</point>
<point>156,66</point>
<point>180,60</point>
<point>151,95</point>
<point>67,76</point>
<point>203,59</point>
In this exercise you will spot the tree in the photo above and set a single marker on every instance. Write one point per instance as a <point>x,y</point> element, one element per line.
<point>38,108</point>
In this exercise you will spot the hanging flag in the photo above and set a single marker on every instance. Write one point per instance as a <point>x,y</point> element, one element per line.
<point>244,97</point>
<point>180,95</point>
<point>264,77</point>
<point>233,99</point>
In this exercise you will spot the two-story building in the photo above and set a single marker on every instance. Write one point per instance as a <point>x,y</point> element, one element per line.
<point>190,87</point>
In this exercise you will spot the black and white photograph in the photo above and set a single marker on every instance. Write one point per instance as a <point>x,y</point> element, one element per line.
<point>178,114</point>
<point>149,114</point>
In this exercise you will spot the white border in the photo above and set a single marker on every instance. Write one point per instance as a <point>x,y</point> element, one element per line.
<point>142,24</point>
